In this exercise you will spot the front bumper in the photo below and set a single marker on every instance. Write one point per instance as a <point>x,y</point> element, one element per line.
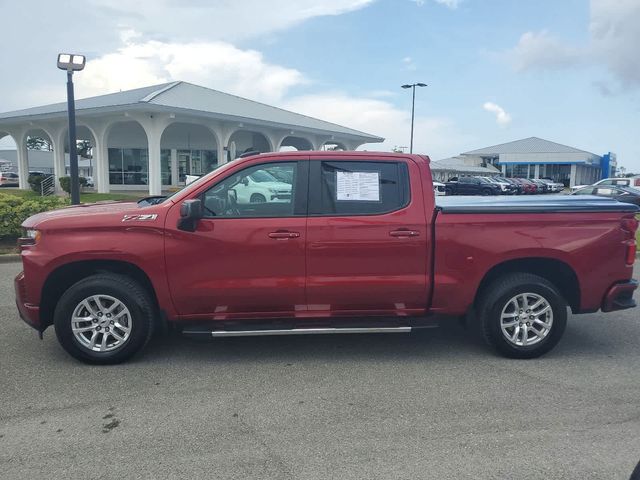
<point>28,312</point>
<point>620,296</point>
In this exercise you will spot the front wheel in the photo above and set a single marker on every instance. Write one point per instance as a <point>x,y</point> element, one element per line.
<point>486,192</point>
<point>104,319</point>
<point>522,315</point>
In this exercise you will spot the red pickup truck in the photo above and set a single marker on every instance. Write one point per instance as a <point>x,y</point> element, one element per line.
<point>336,242</point>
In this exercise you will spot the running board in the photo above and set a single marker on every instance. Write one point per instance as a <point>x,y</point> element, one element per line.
<point>298,331</point>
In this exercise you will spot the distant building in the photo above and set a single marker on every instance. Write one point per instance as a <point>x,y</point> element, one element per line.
<point>533,158</point>
<point>42,161</point>
<point>153,137</point>
<point>444,170</point>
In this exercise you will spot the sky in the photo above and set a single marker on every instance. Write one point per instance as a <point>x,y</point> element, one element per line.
<point>497,70</point>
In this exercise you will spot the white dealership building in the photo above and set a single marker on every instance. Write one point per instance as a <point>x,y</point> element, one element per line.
<point>152,137</point>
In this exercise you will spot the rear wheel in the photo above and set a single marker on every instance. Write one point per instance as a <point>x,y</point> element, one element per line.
<point>522,315</point>
<point>104,319</point>
<point>257,198</point>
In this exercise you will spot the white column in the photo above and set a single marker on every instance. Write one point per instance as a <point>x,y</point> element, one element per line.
<point>23,161</point>
<point>536,171</point>
<point>572,175</point>
<point>155,174</point>
<point>175,177</point>
<point>58,161</point>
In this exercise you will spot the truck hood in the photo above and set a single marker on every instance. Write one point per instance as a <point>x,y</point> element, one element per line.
<point>92,212</point>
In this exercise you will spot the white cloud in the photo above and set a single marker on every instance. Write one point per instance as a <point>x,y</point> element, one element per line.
<point>502,117</point>
<point>542,50</point>
<point>217,64</point>
<point>222,19</point>
<point>409,64</point>
<point>452,4</point>
<point>436,137</point>
<point>614,39</point>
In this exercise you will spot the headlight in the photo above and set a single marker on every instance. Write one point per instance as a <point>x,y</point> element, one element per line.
<point>31,237</point>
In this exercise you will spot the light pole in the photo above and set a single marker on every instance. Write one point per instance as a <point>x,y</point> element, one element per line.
<point>413,107</point>
<point>72,63</point>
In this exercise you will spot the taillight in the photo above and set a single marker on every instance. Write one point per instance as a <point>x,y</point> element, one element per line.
<point>629,224</point>
<point>631,252</point>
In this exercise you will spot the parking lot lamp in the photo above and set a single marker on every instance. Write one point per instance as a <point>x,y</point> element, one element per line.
<point>72,63</point>
<point>413,107</point>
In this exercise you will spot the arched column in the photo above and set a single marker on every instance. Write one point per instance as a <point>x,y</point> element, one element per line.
<point>100,132</point>
<point>20,137</point>
<point>154,126</point>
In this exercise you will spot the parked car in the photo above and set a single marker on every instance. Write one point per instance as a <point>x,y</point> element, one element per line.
<point>506,188</point>
<point>360,245</point>
<point>471,186</point>
<point>620,193</point>
<point>554,187</point>
<point>517,186</point>
<point>543,187</point>
<point>529,188</point>
<point>8,179</point>
<point>618,181</point>
<point>262,186</point>
<point>438,188</point>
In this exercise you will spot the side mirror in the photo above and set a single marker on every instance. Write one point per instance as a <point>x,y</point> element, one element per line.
<point>190,213</point>
<point>244,181</point>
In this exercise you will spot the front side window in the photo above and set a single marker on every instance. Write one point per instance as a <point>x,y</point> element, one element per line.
<point>360,188</point>
<point>254,192</point>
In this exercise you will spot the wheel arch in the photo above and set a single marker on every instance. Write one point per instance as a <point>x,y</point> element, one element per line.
<point>559,273</point>
<point>68,274</point>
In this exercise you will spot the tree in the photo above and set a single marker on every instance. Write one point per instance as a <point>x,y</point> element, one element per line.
<point>84,149</point>
<point>39,143</point>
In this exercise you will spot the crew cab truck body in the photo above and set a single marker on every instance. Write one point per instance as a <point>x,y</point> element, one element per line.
<point>359,246</point>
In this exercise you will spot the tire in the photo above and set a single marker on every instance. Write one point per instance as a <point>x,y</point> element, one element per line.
<point>92,298</point>
<point>501,298</point>
<point>486,192</point>
<point>257,198</point>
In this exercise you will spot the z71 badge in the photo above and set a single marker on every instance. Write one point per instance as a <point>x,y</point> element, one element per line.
<point>148,217</point>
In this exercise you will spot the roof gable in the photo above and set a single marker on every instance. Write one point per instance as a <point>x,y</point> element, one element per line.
<point>527,145</point>
<point>184,95</point>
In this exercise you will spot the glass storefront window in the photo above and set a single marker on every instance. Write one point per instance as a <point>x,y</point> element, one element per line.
<point>128,166</point>
<point>165,166</point>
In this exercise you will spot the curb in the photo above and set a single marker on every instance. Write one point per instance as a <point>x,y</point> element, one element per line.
<point>10,258</point>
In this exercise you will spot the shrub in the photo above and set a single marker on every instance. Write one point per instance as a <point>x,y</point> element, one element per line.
<point>15,210</point>
<point>65,183</point>
<point>35,181</point>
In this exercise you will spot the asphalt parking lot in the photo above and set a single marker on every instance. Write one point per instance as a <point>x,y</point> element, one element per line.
<point>432,405</point>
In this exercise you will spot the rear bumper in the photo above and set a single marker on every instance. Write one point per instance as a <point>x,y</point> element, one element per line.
<point>28,312</point>
<point>620,296</point>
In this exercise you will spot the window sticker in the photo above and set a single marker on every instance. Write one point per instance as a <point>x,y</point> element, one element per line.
<point>358,186</point>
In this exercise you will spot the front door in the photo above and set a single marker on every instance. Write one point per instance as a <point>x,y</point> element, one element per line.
<point>246,258</point>
<point>367,247</point>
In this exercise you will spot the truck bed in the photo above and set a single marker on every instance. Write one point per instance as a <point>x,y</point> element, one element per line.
<point>546,204</point>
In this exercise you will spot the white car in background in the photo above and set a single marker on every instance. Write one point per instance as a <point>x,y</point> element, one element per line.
<point>633,182</point>
<point>260,187</point>
<point>438,188</point>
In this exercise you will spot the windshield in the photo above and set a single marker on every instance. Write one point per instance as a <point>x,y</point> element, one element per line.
<point>155,199</point>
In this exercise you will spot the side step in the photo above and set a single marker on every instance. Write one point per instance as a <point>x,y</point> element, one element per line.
<point>298,331</point>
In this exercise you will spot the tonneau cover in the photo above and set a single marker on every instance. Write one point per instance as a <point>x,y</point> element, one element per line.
<point>526,204</point>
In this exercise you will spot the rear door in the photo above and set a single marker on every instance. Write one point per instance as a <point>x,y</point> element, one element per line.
<point>366,238</point>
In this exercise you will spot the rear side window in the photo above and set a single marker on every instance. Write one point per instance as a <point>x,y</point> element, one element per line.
<point>358,188</point>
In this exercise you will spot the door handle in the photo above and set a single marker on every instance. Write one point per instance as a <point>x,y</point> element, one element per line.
<point>282,235</point>
<point>404,233</point>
